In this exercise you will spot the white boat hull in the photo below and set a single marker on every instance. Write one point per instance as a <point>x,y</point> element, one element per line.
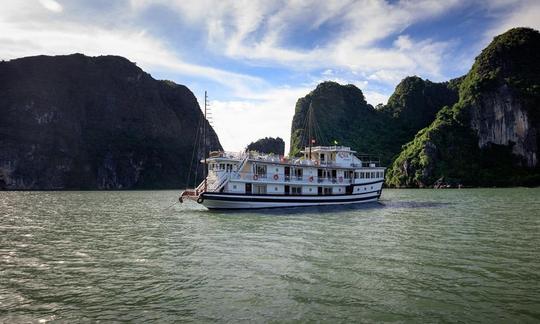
<point>234,201</point>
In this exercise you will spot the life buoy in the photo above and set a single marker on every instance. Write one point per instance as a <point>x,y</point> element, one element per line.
<point>340,179</point>
<point>255,177</point>
<point>200,200</point>
<point>276,176</point>
<point>311,179</point>
<point>316,162</point>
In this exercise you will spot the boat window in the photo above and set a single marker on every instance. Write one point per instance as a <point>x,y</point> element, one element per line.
<point>259,189</point>
<point>260,170</point>
<point>327,191</point>
<point>296,190</point>
<point>298,173</point>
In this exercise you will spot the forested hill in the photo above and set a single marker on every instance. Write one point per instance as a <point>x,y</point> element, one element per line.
<point>481,129</point>
<point>268,145</point>
<point>491,136</point>
<point>341,114</point>
<point>79,122</point>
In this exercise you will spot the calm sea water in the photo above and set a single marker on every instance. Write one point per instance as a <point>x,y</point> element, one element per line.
<point>418,255</point>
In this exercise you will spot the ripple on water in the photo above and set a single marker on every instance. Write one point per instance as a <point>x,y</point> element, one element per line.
<point>418,255</point>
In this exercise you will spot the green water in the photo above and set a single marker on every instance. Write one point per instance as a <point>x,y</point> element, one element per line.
<point>418,255</point>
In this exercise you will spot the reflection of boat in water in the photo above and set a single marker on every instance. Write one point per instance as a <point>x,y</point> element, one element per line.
<point>323,175</point>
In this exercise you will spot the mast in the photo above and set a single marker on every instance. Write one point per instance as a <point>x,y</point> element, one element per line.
<point>204,141</point>
<point>310,140</point>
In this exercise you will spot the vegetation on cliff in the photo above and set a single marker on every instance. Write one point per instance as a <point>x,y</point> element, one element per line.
<point>491,136</point>
<point>268,145</point>
<point>78,122</point>
<point>342,115</point>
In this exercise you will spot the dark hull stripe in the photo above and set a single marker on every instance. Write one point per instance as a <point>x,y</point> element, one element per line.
<point>291,200</point>
<point>367,183</point>
<point>276,207</point>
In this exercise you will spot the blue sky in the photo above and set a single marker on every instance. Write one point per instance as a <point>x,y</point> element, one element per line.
<point>256,58</point>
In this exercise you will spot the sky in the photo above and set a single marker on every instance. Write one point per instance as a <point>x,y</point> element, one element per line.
<point>256,58</point>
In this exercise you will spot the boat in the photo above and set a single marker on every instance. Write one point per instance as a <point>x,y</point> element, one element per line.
<point>320,175</point>
<point>323,175</point>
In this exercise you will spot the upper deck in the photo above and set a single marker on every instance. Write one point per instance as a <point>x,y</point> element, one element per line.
<point>318,156</point>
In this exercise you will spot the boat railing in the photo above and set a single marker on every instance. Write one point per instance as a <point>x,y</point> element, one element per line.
<point>329,180</point>
<point>250,176</point>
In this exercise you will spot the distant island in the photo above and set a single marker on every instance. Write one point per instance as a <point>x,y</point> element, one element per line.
<point>482,129</point>
<point>79,122</point>
<point>268,145</point>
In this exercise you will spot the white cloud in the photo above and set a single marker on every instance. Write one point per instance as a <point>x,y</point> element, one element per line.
<point>525,13</point>
<point>20,38</point>
<point>51,5</point>
<point>259,114</point>
<point>375,98</point>
<point>257,31</point>
<point>387,76</point>
<point>260,33</point>
<point>328,72</point>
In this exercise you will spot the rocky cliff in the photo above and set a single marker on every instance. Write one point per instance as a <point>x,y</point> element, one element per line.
<point>268,145</point>
<point>78,122</point>
<point>341,114</point>
<point>491,136</point>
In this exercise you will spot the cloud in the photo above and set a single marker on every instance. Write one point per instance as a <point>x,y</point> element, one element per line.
<point>51,5</point>
<point>259,114</point>
<point>512,14</point>
<point>375,98</point>
<point>363,42</point>
<point>260,32</point>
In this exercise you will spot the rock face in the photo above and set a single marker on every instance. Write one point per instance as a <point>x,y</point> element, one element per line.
<point>340,113</point>
<point>499,117</point>
<point>489,137</point>
<point>78,122</point>
<point>268,145</point>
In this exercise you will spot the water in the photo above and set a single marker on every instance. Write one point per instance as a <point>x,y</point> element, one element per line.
<point>419,255</point>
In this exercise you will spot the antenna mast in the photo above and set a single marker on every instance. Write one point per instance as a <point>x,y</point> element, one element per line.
<point>310,125</point>
<point>204,141</point>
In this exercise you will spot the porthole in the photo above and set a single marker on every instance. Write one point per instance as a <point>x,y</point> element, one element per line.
<point>275,188</point>
<point>310,189</point>
<point>371,187</point>
<point>234,187</point>
<point>277,170</point>
<point>339,189</point>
